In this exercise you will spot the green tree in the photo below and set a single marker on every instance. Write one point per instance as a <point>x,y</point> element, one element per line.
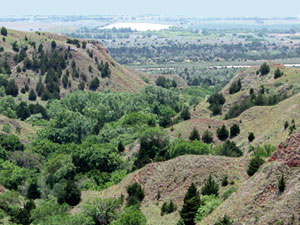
<point>94,84</point>
<point>185,114</point>
<point>234,130</point>
<point>121,147</point>
<point>264,69</point>
<point>251,137</point>
<point>32,95</point>
<point>281,184</point>
<point>23,111</point>
<point>135,194</point>
<point>278,73</point>
<point>207,137</point>
<point>53,44</point>
<point>210,187</point>
<point>11,88</point>
<point>70,194</point>
<point>194,135</point>
<point>254,165</point>
<point>131,216</point>
<point>191,205</point>
<point>235,87</point>
<point>225,181</point>
<point>33,191</point>
<point>222,133</point>
<point>3,31</point>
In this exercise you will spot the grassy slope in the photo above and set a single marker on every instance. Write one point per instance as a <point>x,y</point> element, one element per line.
<point>122,78</point>
<point>172,178</point>
<point>265,121</point>
<point>27,131</point>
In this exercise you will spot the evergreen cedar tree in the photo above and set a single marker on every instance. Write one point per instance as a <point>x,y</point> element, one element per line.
<point>225,181</point>
<point>194,135</point>
<point>278,73</point>
<point>254,165</point>
<point>234,130</point>
<point>185,114</point>
<point>11,88</point>
<point>210,187</point>
<point>135,194</point>
<point>281,184</point>
<point>216,101</point>
<point>191,204</point>
<point>3,31</point>
<point>207,137</point>
<point>32,95</point>
<point>251,137</point>
<point>235,87</point>
<point>222,133</point>
<point>168,208</point>
<point>230,149</point>
<point>264,69</point>
<point>69,194</point>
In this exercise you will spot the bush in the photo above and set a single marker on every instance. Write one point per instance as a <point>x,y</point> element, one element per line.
<point>168,208</point>
<point>11,143</point>
<point>135,194</point>
<point>211,202</point>
<point>33,191</point>
<point>11,88</point>
<point>185,114</point>
<point>229,149</point>
<point>254,165</point>
<point>222,133</point>
<point>95,83</point>
<point>225,181</point>
<point>278,73</point>
<point>194,135</point>
<point>207,137</point>
<point>216,101</point>
<point>210,187</point>
<point>224,221</point>
<point>131,216</point>
<point>264,69</point>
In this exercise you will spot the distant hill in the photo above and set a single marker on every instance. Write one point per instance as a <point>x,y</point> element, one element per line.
<point>63,65</point>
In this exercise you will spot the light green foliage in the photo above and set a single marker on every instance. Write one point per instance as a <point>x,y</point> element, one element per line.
<point>210,203</point>
<point>103,211</point>
<point>12,176</point>
<point>6,128</point>
<point>183,147</point>
<point>131,216</point>
<point>8,106</point>
<point>229,192</point>
<point>265,151</point>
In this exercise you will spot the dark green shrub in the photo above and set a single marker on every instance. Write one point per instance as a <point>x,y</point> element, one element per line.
<point>210,187</point>
<point>254,165</point>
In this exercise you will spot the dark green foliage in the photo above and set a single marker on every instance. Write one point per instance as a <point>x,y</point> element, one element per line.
<point>210,187</point>
<point>234,130</point>
<point>185,114</point>
<point>254,165</point>
<point>135,194</point>
<point>40,87</point>
<point>45,95</point>
<point>23,111</point>
<point>230,149</point>
<point>32,95</point>
<point>33,191</point>
<point>278,73</point>
<point>251,137</point>
<point>292,127</point>
<point>65,81</point>
<point>225,181</point>
<point>152,142</point>
<point>53,44</point>
<point>264,69</point>
<point>70,194</point>
<point>11,88</point>
<point>286,125</point>
<point>11,143</point>
<point>95,83</point>
<point>222,133</point>
<point>84,44</point>
<point>207,137</point>
<point>194,135</point>
<point>104,69</point>
<point>15,46</point>
<point>131,216</point>
<point>216,101</point>
<point>235,87</point>
<point>165,82</point>
<point>121,147</point>
<point>281,184</point>
<point>224,221</point>
<point>168,208</point>
<point>191,205</point>
<point>5,68</point>
<point>22,216</point>
<point>3,31</point>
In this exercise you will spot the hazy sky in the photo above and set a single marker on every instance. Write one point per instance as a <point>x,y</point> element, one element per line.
<point>199,8</point>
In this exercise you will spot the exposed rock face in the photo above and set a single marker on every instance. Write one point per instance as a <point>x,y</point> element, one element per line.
<point>288,151</point>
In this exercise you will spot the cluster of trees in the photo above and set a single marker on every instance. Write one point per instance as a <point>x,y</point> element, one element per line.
<point>261,99</point>
<point>216,102</point>
<point>165,82</point>
<point>235,87</point>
